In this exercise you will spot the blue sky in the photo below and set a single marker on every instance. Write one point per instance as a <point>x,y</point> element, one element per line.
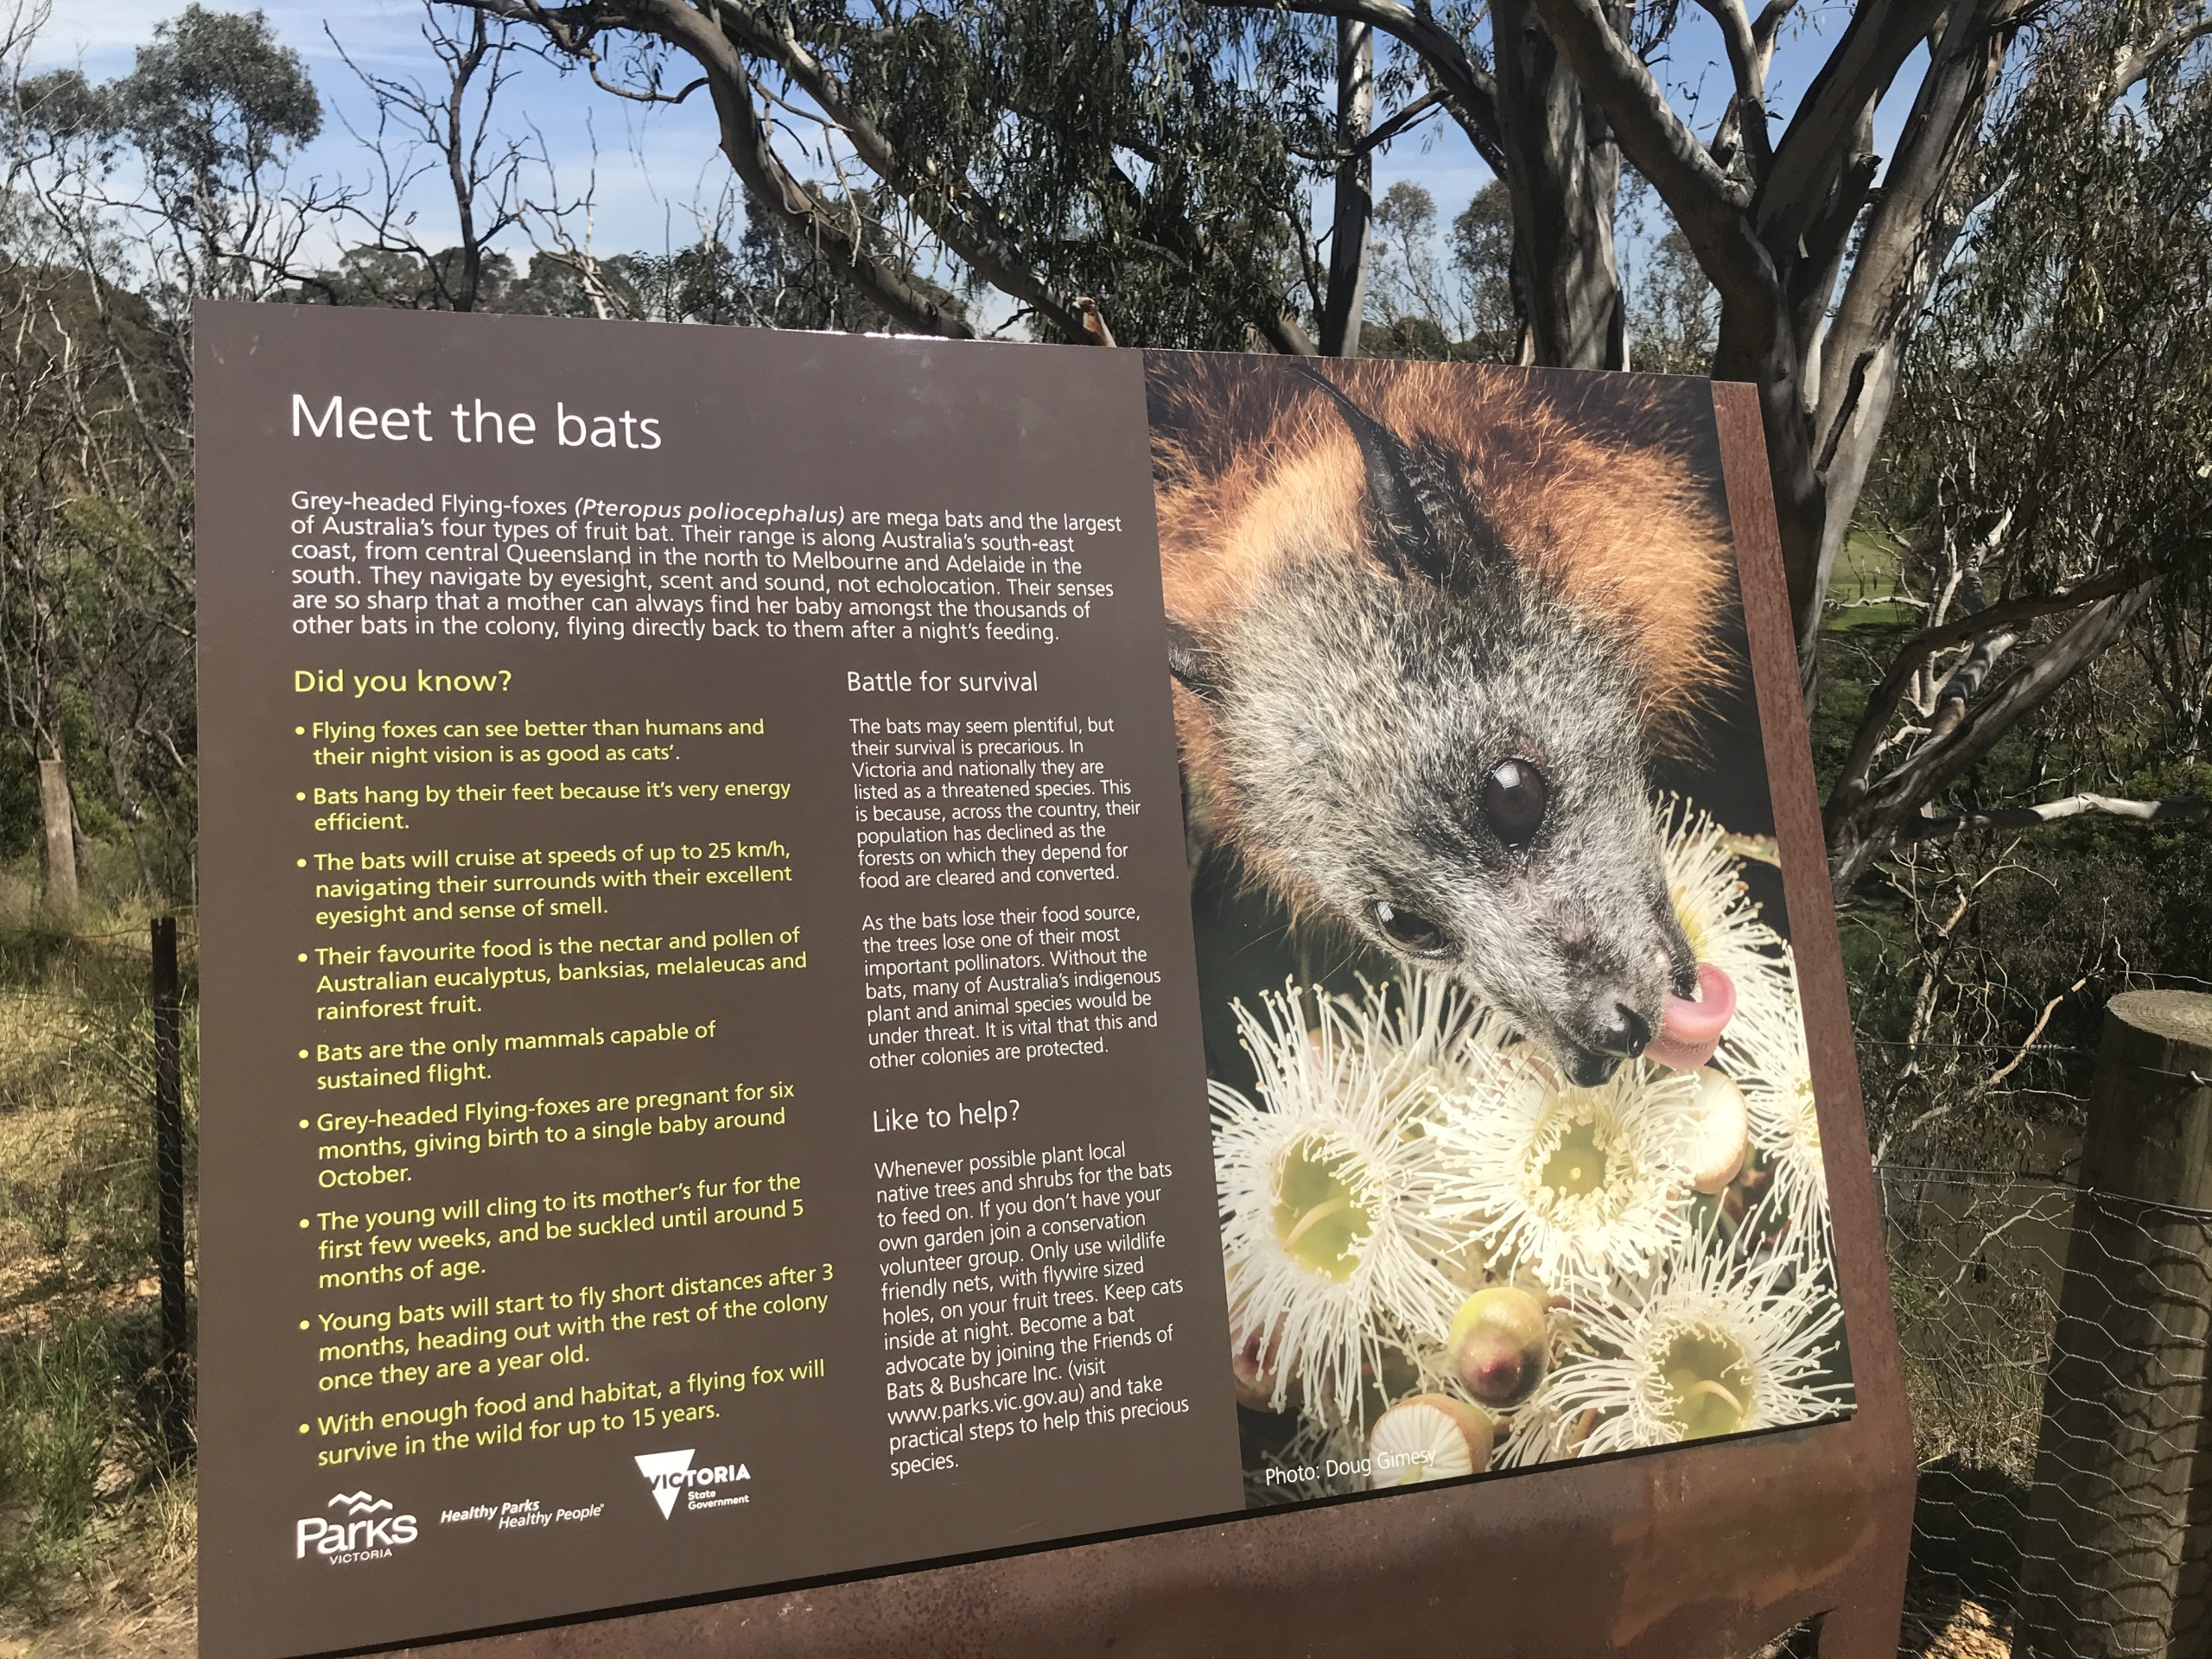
<point>651,164</point>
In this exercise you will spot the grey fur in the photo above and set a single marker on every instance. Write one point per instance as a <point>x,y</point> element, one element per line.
<point>1361,707</point>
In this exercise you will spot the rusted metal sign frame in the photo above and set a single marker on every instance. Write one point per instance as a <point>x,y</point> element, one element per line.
<point>1701,1551</point>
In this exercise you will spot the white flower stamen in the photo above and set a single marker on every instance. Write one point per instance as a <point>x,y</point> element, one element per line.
<point>1328,1203</point>
<point>1725,1338</point>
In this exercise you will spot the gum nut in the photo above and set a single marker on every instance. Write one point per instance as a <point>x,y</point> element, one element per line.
<point>1722,1134</point>
<point>1499,1346</point>
<point>1429,1437</point>
<point>1689,1031</point>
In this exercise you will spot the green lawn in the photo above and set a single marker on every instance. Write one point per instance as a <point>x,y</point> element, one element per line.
<point>1865,576</point>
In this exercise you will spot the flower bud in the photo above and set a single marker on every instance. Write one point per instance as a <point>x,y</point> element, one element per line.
<point>1499,1346</point>
<point>1429,1437</point>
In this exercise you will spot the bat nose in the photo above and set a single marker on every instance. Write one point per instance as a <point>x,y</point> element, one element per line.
<point>1603,1041</point>
<point>1624,1032</point>
<point>1588,1070</point>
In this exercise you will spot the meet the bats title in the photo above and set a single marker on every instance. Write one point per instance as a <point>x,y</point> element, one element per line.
<point>472,423</point>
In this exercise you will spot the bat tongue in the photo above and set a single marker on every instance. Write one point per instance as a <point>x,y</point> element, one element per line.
<point>1690,1030</point>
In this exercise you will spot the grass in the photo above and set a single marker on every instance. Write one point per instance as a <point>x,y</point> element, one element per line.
<point>98,1521</point>
<point>1865,583</point>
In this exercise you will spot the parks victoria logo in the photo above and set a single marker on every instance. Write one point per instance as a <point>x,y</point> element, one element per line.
<point>671,1476</point>
<point>362,1528</point>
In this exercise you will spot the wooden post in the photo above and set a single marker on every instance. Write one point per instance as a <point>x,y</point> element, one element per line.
<point>2192,1637</point>
<point>168,1170</point>
<point>2124,1394</point>
<point>60,815</point>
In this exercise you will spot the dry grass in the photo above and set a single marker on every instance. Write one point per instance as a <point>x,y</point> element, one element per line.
<point>97,1520</point>
<point>1967,1630</point>
<point>133,1594</point>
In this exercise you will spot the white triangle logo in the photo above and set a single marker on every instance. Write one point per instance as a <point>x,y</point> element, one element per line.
<point>664,1470</point>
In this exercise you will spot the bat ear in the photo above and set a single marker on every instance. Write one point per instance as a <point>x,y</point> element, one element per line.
<point>1413,508</point>
<point>1193,661</point>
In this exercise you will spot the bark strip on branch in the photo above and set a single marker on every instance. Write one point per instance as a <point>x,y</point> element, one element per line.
<point>2174,808</point>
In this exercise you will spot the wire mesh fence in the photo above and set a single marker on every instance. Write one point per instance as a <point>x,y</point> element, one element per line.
<point>2054,1340</point>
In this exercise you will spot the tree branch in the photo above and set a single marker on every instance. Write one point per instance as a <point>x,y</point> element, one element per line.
<point>2173,809</point>
<point>2191,22</point>
<point>955,215</point>
<point>1657,140</point>
<point>646,97</point>
<point>2020,1055</point>
<point>1431,100</point>
<point>1889,806</point>
<point>1851,785</point>
<point>716,40</point>
<point>1881,35</point>
<point>1383,133</point>
<point>1749,56</point>
<point>745,142</point>
<point>1466,88</point>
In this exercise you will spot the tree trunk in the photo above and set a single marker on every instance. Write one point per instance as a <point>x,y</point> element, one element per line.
<point>1563,170</point>
<point>1355,195</point>
<point>59,818</point>
<point>1755,345</point>
<point>1908,232</point>
<point>458,167</point>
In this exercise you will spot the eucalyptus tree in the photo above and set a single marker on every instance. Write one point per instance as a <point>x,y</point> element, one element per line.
<point>1142,154</point>
<point>188,155</point>
<point>445,129</point>
<point>125,200</point>
<point>2050,476</point>
<point>1158,156</point>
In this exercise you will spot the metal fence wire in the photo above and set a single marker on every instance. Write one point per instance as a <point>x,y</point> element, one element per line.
<point>2055,1354</point>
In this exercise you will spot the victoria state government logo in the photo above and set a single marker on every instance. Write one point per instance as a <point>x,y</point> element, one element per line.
<point>671,1476</point>
<point>365,1529</point>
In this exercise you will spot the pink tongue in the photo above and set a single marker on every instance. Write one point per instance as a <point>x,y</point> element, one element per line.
<point>1689,1032</point>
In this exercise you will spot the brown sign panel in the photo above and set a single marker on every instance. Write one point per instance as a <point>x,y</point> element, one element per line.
<point>822,954</point>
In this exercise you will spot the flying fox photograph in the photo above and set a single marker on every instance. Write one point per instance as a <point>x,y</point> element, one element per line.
<point>1516,1149</point>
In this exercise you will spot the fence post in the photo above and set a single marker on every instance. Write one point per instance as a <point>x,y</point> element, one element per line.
<point>2124,1394</point>
<point>168,1170</point>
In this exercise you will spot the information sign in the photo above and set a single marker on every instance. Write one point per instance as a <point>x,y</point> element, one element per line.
<point>824,953</point>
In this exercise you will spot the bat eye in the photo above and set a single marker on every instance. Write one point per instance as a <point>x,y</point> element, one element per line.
<point>1514,797</point>
<point>1410,930</point>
